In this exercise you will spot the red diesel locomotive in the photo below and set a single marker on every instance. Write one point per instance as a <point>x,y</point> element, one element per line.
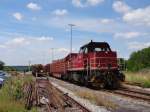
<point>95,64</point>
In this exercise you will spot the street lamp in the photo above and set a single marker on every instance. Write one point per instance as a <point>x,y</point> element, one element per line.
<point>71,25</point>
<point>52,51</point>
<point>29,68</point>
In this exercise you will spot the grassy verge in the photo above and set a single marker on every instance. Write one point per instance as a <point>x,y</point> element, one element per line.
<point>97,99</point>
<point>12,96</point>
<point>140,78</point>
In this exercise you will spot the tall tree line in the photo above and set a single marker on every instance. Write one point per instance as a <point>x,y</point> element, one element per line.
<point>139,60</point>
<point>2,65</point>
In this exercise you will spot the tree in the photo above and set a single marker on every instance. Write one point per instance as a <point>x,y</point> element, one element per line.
<point>2,65</point>
<point>139,60</point>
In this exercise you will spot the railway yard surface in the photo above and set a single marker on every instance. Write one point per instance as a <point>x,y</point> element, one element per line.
<point>105,101</point>
<point>49,98</point>
<point>49,94</point>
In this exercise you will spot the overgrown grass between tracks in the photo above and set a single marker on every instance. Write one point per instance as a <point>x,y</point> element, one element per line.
<point>140,78</point>
<point>98,100</point>
<point>12,95</point>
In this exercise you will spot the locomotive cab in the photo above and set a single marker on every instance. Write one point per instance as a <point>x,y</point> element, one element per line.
<point>95,47</point>
<point>99,56</point>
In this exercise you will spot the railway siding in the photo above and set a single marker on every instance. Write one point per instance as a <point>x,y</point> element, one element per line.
<point>124,104</point>
<point>43,94</point>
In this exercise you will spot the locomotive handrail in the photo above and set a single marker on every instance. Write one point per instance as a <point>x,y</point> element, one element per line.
<point>94,62</point>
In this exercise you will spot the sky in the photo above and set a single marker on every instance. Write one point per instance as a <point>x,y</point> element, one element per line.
<point>29,29</point>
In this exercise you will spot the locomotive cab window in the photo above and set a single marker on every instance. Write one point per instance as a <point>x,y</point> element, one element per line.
<point>83,50</point>
<point>86,50</point>
<point>101,49</point>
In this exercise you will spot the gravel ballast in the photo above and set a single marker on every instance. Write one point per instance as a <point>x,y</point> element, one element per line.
<point>123,104</point>
<point>82,101</point>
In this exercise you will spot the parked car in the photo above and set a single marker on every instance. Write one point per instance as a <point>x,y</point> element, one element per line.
<point>2,73</point>
<point>3,77</point>
<point>1,82</point>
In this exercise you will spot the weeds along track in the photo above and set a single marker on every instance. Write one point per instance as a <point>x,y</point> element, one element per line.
<point>133,93</point>
<point>132,84</point>
<point>43,94</point>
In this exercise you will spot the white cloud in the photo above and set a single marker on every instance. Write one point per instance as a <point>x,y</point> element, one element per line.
<point>43,38</point>
<point>25,40</point>
<point>97,25</point>
<point>86,3</point>
<point>33,6</point>
<point>62,50</point>
<point>121,7</point>
<point>77,3</point>
<point>18,16</point>
<point>106,21</point>
<point>127,35</point>
<point>138,45</point>
<point>60,12</point>
<point>94,2</point>
<point>15,42</point>
<point>22,48</point>
<point>139,16</point>
<point>2,46</point>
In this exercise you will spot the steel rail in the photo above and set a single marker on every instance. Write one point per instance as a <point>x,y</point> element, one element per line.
<point>57,99</point>
<point>131,94</point>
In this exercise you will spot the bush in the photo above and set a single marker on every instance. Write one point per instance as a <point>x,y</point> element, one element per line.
<point>1,65</point>
<point>139,60</point>
<point>12,96</point>
<point>98,100</point>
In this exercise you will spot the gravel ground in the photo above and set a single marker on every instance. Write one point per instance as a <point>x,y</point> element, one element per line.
<point>123,104</point>
<point>137,87</point>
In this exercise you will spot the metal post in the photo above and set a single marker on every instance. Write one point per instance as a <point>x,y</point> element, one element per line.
<point>29,65</point>
<point>52,49</point>
<point>71,25</point>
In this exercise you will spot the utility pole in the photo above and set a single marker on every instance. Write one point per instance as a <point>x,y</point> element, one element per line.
<point>29,65</point>
<point>52,51</point>
<point>71,25</point>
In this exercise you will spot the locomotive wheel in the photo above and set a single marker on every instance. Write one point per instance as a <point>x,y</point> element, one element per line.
<point>86,83</point>
<point>102,85</point>
<point>116,84</point>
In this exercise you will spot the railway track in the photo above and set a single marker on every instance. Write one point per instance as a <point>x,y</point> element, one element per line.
<point>51,99</point>
<point>133,93</point>
<point>133,84</point>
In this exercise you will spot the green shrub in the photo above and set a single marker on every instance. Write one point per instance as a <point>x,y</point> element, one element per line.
<point>139,60</point>
<point>143,79</point>
<point>11,95</point>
